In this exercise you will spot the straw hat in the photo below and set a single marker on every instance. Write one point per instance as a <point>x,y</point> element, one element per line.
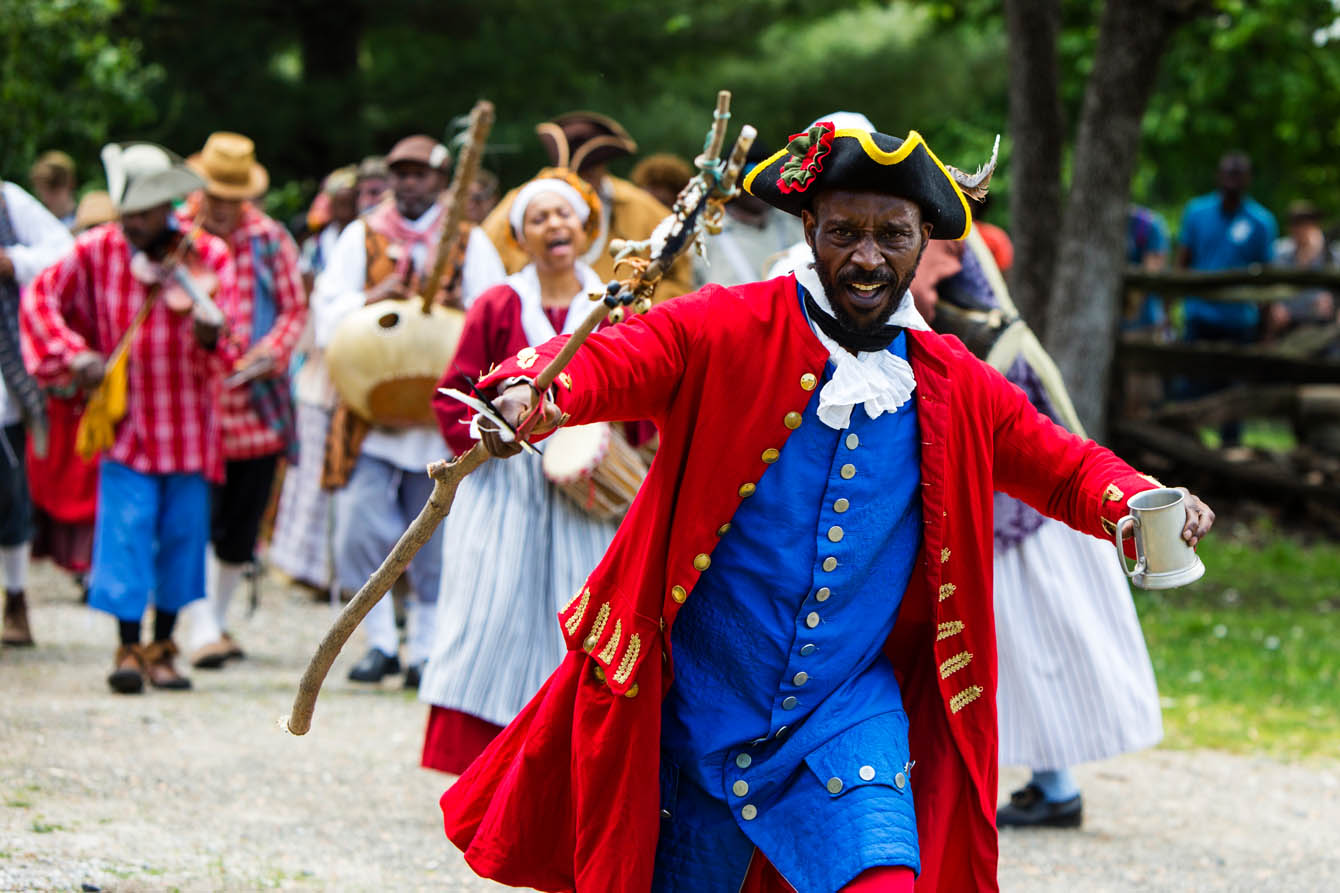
<point>95,208</point>
<point>228,166</point>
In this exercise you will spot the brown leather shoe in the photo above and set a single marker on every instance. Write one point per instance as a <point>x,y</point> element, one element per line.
<point>211,656</point>
<point>235,651</point>
<point>16,630</point>
<point>158,666</point>
<point>128,676</point>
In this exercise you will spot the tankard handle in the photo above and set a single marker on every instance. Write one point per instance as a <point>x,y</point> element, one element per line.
<point>1120,537</point>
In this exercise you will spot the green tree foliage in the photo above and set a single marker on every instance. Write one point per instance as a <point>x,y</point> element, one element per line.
<point>66,82</point>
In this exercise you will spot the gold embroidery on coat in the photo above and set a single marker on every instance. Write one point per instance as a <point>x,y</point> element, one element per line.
<point>565,379</point>
<point>574,621</point>
<point>526,357</point>
<point>955,663</point>
<point>629,659</point>
<point>944,554</point>
<point>964,698</point>
<point>612,646</point>
<point>1153,480</point>
<point>1112,493</point>
<point>947,590</point>
<point>598,625</point>
<point>949,628</point>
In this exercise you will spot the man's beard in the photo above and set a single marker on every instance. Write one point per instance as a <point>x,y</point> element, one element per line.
<point>849,324</point>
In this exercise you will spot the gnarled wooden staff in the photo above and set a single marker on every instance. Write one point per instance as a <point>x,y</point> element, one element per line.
<point>702,199</point>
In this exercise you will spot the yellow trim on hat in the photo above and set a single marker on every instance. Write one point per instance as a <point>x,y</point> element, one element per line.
<point>758,168</point>
<point>913,140</point>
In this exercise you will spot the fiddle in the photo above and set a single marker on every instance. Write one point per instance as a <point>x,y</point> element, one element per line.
<point>182,281</point>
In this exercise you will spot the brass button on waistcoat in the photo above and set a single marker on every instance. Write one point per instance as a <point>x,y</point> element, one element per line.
<point>792,420</point>
<point>740,788</point>
<point>823,594</point>
<point>770,455</point>
<point>789,703</point>
<point>867,773</point>
<point>808,381</point>
<point>807,650</point>
<point>702,561</point>
<point>835,534</point>
<point>678,594</point>
<point>848,471</point>
<point>841,506</point>
<point>830,563</point>
<point>800,679</point>
<point>900,781</point>
<point>834,785</point>
<point>723,529</point>
<point>812,619</point>
<point>744,760</point>
<point>747,489</point>
<point>749,812</point>
<point>853,441</point>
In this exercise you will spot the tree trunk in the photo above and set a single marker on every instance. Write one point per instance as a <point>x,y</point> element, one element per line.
<point>329,33</point>
<point>1082,313</point>
<point>1035,159</point>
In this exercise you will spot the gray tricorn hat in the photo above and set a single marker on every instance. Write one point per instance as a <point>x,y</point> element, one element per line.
<point>144,175</point>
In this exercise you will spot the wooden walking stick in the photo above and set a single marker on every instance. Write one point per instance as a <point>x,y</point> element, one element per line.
<point>700,203</point>
<point>467,168</point>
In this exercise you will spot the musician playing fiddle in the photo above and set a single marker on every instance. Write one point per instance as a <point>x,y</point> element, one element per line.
<point>164,291</point>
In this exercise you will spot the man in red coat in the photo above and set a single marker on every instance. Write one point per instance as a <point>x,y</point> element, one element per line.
<point>796,612</point>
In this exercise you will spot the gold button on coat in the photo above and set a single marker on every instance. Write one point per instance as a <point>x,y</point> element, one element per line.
<point>632,691</point>
<point>800,679</point>
<point>740,788</point>
<point>749,812</point>
<point>702,561</point>
<point>830,563</point>
<point>853,441</point>
<point>589,643</point>
<point>867,773</point>
<point>848,471</point>
<point>835,534</point>
<point>678,594</point>
<point>770,455</point>
<point>792,420</point>
<point>808,381</point>
<point>823,594</point>
<point>747,489</point>
<point>723,529</point>
<point>841,506</point>
<point>834,785</point>
<point>812,619</point>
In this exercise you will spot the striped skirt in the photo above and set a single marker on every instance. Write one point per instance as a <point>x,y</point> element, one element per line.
<point>515,550</point>
<point>301,543</point>
<point>1076,683</point>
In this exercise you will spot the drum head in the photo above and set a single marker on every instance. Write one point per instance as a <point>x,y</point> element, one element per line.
<point>573,453</point>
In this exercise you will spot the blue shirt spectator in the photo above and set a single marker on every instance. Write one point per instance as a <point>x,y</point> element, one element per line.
<point>1147,248</point>
<point>1226,230</point>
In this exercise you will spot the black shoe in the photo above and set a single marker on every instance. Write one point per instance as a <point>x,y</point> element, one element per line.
<point>375,665</point>
<point>414,675</point>
<point>1029,808</point>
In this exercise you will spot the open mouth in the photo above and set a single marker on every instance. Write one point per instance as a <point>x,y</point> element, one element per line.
<point>558,244</point>
<point>867,295</point>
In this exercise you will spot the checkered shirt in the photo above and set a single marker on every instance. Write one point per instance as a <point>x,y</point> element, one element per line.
<point>86,301</point>
<point>245,434</point>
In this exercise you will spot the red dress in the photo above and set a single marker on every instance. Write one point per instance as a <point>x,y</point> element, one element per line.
<point>567,796</point>
<point>64,489</point>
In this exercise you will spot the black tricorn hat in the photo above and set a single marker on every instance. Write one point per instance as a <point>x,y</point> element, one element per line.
<point>580,139</point>
<point>823,158</point>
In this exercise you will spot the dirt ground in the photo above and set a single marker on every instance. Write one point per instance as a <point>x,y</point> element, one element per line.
<point>202,791</point>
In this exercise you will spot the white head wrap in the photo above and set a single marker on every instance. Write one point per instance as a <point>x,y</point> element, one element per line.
<point>540,186</point>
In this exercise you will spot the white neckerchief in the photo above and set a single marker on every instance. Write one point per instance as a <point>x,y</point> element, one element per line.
<point>534,321</point>
<point>879,379</point>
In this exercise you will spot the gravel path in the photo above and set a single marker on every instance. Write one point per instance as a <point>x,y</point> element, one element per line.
<point>201,791</point>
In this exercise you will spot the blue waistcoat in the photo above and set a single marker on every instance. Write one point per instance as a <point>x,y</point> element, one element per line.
<point>785,728</point>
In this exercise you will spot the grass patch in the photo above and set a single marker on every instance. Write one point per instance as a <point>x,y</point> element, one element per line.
<point>40,827</point>
<point>1247,657</point>
<point>18,803</point>
<point>1273,435</point>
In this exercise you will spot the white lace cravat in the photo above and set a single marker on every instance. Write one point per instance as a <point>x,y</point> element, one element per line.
<point>878,379</point>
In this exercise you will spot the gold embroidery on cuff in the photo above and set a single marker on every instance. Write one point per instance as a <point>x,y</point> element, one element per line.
<point>947,590</point>
<point>526,357</point>
<point>598,625</point>
<point>944,555</point>
<point>949,628</point>
<point>964,698</point>
<point>1153,480</point>
<point>1110,526</point>
<point>1112,493</point>
<point>574,621</point>
<point>955,663</point>
<point>629,660</point>
<point>612,646</point>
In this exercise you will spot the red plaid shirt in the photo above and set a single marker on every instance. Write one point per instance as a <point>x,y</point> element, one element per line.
<point>245,435</point>
<point>172,388</point>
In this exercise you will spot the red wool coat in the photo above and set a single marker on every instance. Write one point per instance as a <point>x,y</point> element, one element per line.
<point>567,796</point>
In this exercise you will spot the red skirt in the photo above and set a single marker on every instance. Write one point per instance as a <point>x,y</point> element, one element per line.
<point>454,739</point>
<point>62,484</point>
<point>763,878</point>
